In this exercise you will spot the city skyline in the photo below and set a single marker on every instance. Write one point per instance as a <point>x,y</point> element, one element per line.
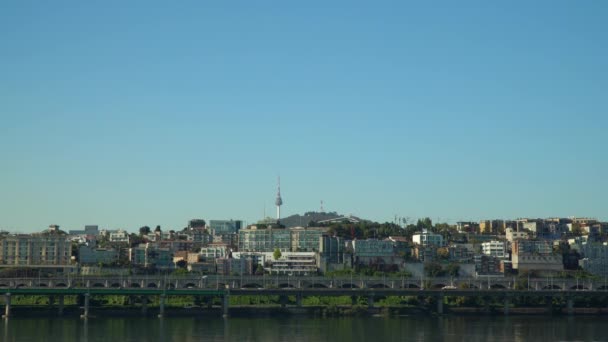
<point>150,113</point>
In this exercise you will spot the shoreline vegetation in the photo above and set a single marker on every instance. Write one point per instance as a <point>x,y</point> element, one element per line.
<point>344,306</point>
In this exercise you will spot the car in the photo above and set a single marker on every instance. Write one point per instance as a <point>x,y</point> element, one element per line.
<point>449,287</point>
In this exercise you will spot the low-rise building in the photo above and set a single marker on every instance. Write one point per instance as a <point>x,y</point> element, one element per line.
<point>425,238</point>
<point>535,255</point>
<point>495,248</point>
<point>151,256</point>
<point>91,255</point>
<point>512,235</point>
<point>119,236</point>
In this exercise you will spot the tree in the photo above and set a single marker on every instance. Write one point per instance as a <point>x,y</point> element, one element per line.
<point>453,269</point>
<point>181,264</point>
<point>145,230</point>
<point>276,254</point>
<point>157,230</point>
<point>433,269</point>
<point>443,253</point>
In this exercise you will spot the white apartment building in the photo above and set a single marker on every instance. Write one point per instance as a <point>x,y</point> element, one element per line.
<point>494,248</point>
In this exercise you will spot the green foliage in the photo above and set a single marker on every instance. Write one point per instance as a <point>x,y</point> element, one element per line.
<point>365,230</point>
<point>453,270</point>
<point>145,230</point>
<point>180,272</point>
<point>277,254</point>
<point>433,269</point>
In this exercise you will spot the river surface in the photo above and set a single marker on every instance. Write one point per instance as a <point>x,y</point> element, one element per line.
<point>469,328</point>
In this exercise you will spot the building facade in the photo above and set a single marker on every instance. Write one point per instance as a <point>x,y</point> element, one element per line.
<point>34,250</point>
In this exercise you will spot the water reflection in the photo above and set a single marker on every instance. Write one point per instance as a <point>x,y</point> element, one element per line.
<point>294,329</point>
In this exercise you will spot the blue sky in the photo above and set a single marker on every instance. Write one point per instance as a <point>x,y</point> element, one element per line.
<point>126,114</point>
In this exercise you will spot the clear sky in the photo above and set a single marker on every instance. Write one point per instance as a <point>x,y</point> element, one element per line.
<point>132,113</point>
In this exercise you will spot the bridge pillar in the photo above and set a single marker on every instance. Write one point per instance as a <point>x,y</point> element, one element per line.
<point>161,306</point>
<point>144,305</point>
<point>209,301</point>
<point>370,301</point>
<point>225,304</point>
<point>51,301</point>
<point>440,304</point>
<point>85,314</point>
<point>88,284</point>
<point>570,305</point>
<point>283,300</point>
<point>549,300</point>
<point>507,302</point>
<point>299,300</point>
<point>61,301</point>
<point>7,305</point>
<point>353,300</point>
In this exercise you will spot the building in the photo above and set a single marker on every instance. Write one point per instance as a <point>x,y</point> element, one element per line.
<point>497,249</point>
<point>221,227</point>
<point>119,236</point>
<point>535,255</point>
<point>42,249</point>
<point>253,239</point>
<point>486,265</point>
<point>150,256</point>
<point>467,227</point>
<point>341,219</point>
<point>373,248</point>
<point>293,263</point>
<point>460,253</point>
<point>512,235</point>
<point>331,252</point>
<point>491,226</point>
<point>595,256</point>
<point>306,239</point>
<point>91,255</point>
<point>90,230</point>
<point>214,251</point>
<point>425,238</point>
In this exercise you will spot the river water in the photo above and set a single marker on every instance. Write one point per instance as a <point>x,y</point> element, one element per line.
<point>292,329</point>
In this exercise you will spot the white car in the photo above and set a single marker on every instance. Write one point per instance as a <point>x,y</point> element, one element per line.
<point>449,287</point>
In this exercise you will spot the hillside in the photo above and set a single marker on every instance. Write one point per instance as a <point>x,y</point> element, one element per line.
<point>303,220</point>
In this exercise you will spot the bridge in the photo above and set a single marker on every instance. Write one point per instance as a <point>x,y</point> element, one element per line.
<point>270,282</point>
<point>299,287</point>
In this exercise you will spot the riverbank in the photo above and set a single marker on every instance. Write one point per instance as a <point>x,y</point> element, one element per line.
<point>307,311</point>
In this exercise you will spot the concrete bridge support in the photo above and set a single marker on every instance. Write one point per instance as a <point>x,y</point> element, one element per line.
<point>7,306</point>
<point>440,304</point>
<point>144,305</point>
<point>299,300</point>
<point>60,306</point>
<point>549,301</point>
<point>161,306</point>
<point>283,300</point>
<point>570,305</point>
<point>370,301</point>
<point>85,313</point>
<point>507,302</point>
<point>353,300</point>
<point>225,304</point>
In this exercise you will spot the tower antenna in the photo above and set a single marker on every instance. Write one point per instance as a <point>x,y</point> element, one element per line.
<point>279,200</point>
